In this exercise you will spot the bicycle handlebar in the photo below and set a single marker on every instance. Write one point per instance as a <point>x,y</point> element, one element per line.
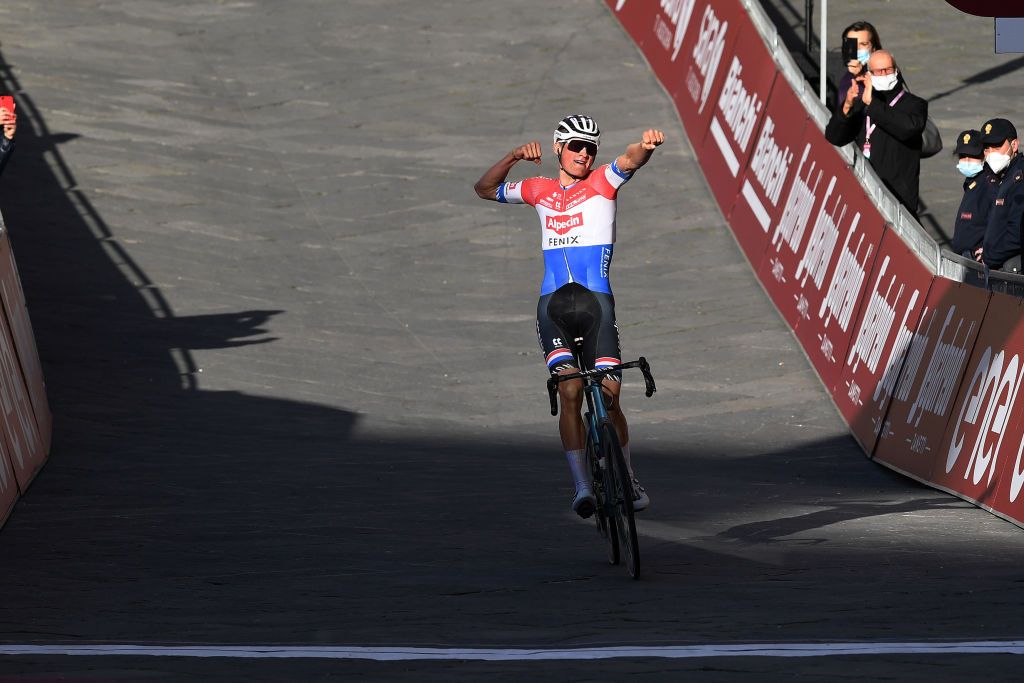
<point>641,363</point>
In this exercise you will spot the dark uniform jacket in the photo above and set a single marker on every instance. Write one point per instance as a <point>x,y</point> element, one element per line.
<point>895,140</point>
<point>972,216</point>
<point>6,147</point>
<point>1002,235</point>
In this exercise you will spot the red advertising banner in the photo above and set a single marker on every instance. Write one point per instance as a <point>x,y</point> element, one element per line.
<point>19,426</point>
<point>686,43</point>
<point>821,250</point>
<point>707,49</point>
<point>936,361</point>
<point>658,29</point>
<point>769,176</point>
<point>982,436</point>
<point>13,299</point>
<point>1009,493</point>
<point>737,115</point>
<point>926,371</point>
<point>895,297</point>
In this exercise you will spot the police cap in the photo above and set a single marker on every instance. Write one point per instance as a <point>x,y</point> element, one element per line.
<point>997,131</point>
<point>968,143</point>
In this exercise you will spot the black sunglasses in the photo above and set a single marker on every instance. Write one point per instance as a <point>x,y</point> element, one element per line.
<point>580,145</point>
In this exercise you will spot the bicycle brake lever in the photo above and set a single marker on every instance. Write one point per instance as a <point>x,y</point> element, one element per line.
<point>552,391</point>
<point>645,368</point>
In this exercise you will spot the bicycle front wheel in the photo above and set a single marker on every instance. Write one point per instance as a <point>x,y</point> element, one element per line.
<point>606,526</point>
<point>620,492</point>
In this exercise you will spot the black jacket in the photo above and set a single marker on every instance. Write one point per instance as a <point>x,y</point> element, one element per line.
<point>6,147</point>
<point>972,216</point>
<point>1002,235</point>
<point>895,140</point>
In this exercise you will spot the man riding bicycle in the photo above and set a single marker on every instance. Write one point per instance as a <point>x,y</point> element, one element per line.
<point>577,216</point>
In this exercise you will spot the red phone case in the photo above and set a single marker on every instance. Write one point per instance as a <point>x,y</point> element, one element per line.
<point>7,102</point>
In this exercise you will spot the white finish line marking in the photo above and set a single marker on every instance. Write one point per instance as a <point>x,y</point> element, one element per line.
<point>390,654</point>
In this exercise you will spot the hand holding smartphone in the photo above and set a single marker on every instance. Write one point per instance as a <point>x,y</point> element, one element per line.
<point>8,120</point>
<point>849,49</point>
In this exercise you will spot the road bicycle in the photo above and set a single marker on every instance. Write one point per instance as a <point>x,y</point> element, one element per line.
<point>612,485</point>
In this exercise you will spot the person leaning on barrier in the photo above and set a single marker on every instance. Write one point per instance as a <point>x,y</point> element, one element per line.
<point>856,63</point>
<point>1001,248</point>
<point>9,122</point>
<point>980,188</point>
<point>886,121</point>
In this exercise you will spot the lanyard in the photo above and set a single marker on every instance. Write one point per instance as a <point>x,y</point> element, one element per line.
<point>869,127</point>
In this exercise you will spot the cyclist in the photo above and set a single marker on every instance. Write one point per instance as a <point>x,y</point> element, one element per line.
<point>577,217</point>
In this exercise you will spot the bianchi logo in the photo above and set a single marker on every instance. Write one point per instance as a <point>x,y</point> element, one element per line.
<point>563,224</point>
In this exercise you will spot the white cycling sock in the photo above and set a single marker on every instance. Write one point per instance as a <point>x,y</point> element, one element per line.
<point>629,465</point>
<point>578,466</point>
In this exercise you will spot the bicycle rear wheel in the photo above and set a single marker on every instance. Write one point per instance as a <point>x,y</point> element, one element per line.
<point>620,493</point>
<point>606,525</point>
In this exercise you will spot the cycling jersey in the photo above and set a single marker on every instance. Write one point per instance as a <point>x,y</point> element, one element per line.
<point>577,225</point>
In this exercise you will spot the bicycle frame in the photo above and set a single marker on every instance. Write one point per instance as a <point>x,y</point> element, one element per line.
<point>597,411</point>
<point>612,487</point>
<point>592,386</point>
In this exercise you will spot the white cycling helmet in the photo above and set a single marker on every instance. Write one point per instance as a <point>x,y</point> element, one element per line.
<point>578,127</point>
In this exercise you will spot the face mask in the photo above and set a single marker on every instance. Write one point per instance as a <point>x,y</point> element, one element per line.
<point>884,83</point>
<point>862,56</point>
<point>997,161</point>
<point>970,168</point>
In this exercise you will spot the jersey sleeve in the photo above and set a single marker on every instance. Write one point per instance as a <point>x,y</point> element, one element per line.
<point>518,192</point>
<point>609,179</point>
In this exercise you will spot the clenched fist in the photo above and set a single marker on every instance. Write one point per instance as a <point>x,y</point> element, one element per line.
<point>652,138</point>
<point>528,152</point>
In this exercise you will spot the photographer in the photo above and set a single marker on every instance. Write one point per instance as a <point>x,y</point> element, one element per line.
<point>886,121</point>
<point>859,40</point>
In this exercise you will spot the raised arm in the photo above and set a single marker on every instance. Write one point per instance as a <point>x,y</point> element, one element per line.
<point>487,186</point>
<point>639,153</point>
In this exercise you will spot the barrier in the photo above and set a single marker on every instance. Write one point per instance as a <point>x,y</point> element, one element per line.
<point>968,459</point>
<point>820,252</point>
<point>899,286</point>
<point>936,361</point>
<point>25,419</point>
<point>922,352</point>
<point>767,180</point>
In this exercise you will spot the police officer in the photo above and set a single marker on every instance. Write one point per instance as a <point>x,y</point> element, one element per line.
<point>980,188</point>
<point>1001,248</point>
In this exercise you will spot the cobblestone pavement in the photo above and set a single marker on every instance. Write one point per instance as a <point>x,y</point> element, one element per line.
<point>297,390</point>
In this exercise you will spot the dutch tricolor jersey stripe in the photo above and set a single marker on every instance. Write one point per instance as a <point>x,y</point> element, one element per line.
<point>606,362</point>
<point>559,355</point>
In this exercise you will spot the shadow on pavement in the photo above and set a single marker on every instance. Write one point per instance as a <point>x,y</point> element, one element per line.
<point>168,512</point>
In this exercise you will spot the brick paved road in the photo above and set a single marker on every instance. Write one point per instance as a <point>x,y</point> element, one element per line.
<point>297,392</point>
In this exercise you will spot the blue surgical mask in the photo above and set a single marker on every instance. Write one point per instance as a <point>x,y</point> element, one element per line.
<point>862,56</point>
<point>970,168</point>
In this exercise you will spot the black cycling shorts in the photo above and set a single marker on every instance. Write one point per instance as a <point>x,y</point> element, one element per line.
<point>573,311</point>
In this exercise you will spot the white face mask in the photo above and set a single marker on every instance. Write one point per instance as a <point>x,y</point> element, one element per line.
<point>997,161</point>
<point>884,83</point>
<point>862,56</point>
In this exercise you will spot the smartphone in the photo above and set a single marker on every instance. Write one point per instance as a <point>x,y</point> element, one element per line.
<point>7,102</point>
<point>849,49</point>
